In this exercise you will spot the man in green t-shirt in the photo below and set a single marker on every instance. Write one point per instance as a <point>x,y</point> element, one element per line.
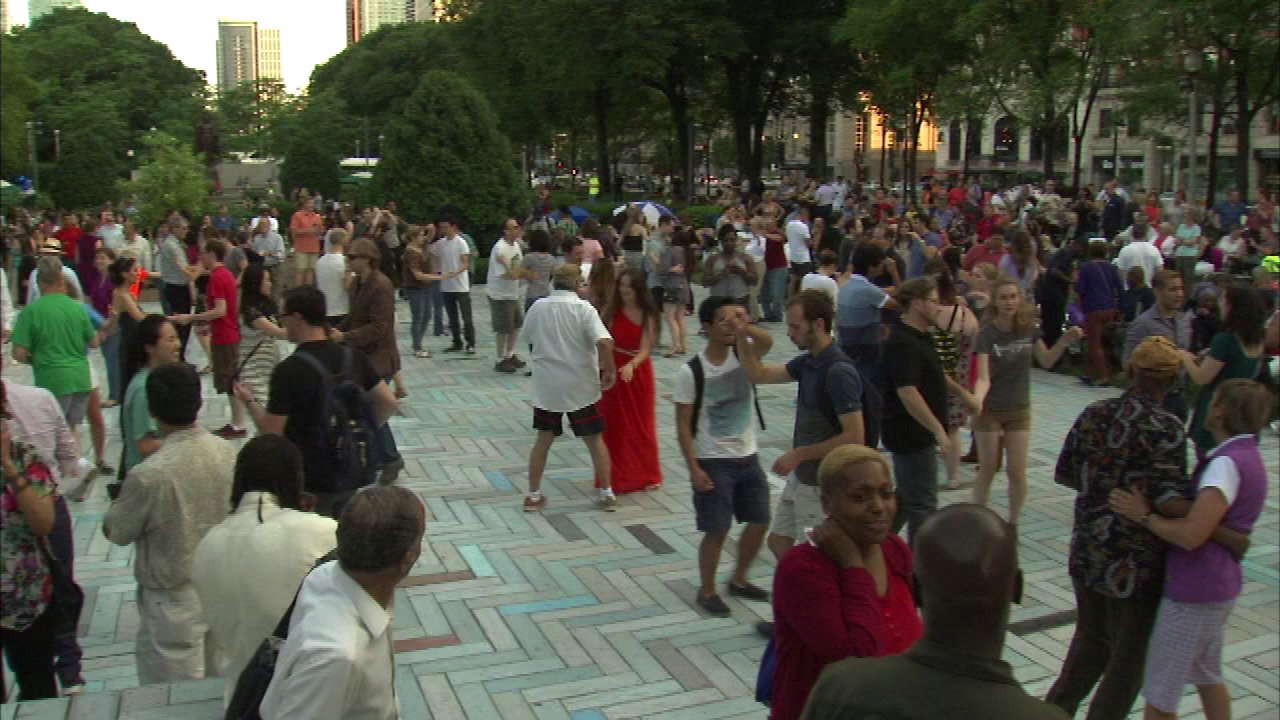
<point>54,335</point>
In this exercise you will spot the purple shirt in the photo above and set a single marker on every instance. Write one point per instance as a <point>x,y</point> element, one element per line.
<point>1209,574</point>
<point>1099,286</point>
<point>98,289</point>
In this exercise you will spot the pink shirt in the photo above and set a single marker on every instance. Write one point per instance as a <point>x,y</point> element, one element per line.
<point>38,422</point>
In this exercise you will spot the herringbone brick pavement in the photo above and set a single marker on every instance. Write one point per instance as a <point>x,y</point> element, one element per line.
<point>580,615</point>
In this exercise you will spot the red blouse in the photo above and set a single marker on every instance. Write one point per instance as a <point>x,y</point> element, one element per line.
<point>823,614</point>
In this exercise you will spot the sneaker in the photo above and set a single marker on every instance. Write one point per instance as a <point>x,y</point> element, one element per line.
<point>748,591</point>
<point>504,366</point>
<point>104,469</point>
<point>226,432</point>
<point>534,505</point>
<point>453,349</point>
<point>471,349</point>
<point>517,362</point>
<point>72,684</point>
<point>391,472</point>
<point>609,503</point>
<point>713,605</point>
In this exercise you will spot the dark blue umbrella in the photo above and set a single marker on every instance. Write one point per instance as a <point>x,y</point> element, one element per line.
<point>579,214</point>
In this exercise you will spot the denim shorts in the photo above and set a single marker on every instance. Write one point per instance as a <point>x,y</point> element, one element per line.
<point>740,491</point>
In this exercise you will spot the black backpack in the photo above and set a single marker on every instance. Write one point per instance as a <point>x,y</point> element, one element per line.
<point>347,441</point>
<point>700,384</point>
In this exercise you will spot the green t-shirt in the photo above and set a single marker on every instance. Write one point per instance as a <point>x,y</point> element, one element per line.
<point>135,419</point>
<point>56,330</point>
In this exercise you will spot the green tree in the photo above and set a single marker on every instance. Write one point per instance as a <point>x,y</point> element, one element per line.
<point>445,149</point>
<point>313,134</point>
<point>246,112</point>
<point>20,92</point>
<point>171,177</point>
<point>81,169</point>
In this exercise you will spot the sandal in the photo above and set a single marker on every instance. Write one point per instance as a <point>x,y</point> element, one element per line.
<point>670,354</point>
<point>422,354</point>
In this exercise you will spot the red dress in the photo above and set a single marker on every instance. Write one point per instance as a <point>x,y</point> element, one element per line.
<point>630,428</point>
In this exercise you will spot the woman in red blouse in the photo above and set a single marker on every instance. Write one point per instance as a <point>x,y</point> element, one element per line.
<point>847,591</point>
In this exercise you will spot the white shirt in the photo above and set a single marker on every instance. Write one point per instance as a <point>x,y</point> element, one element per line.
<point>336,663</point>
<point>449,252</point>
<point>246,572</point>
<point>798,241</point>
<point>6,302</point>
<point>139,250</point>
<point>825,194</point>
<point>727,418</point>
<point>112,235</point>
<point>33,287</point>
<point>818,281</point>
<point>1142,254</point>
<point>331,270</point>
<point>842,191</point>
<point>1223,474</point>
<point>1231,247</point>
<point>755,247</point>
<point>563,330</point>
<point>504,288</point>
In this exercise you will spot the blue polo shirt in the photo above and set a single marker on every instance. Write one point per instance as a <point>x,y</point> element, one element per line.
<point>829,387</point>
<point>858,311</point>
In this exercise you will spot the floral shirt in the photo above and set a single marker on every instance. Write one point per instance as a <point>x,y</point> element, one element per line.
<point>1124,442</point>
<point>25,583</point>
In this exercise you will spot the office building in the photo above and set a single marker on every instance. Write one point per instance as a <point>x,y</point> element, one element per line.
<point>366,16</point>
<point>247,52</point>
<point>36,8</point>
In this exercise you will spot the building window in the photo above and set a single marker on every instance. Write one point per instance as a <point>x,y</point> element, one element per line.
<point>1005,139</point>
<point>1105,119</point>
<point>973,138</point>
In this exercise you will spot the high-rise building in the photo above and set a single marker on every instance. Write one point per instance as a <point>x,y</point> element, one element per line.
<point>247,52</point>
<point>4,16</point>
<point>365,16</point>
<point>36,8</point>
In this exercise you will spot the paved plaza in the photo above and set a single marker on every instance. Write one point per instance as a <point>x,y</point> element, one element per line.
<point>575,614</point>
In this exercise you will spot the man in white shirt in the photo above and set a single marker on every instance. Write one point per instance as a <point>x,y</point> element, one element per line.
<point>454,254</point>
<point>334,278</point>
<point>823,198</point>
<point>338,662</point>
<point>111,232</point>
<point>1140,252</point>
<point>572,356</point>
<point>799,247</point>
<point>715,425</point>
<point>506,295</point>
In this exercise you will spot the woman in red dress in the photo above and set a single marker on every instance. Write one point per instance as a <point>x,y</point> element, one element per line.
<point>630,428</point>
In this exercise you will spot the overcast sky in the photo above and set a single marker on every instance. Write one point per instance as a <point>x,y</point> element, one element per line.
<point>311,31</point>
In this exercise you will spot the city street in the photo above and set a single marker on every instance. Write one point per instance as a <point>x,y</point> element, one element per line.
<point>578,614</point>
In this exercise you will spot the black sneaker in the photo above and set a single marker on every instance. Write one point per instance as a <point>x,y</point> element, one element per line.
<point>453,349</point>
<point>748,591</point>
<point>713,605</point>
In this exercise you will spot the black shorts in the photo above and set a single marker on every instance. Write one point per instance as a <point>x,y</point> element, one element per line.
<point>740,491</point>
<point>585,422</point>
<point>659,294</point>
<point>801,269</point>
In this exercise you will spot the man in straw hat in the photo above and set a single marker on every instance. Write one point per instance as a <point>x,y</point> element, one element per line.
<point>571,352</point>
<point>1117,567</point>
<point>51,247</point>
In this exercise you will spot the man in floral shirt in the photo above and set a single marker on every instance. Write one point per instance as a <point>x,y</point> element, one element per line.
<point>1117,568</point>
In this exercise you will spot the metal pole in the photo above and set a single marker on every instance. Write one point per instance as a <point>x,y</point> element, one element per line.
<point>57,144</point>
<point>1193,120</point>
<point>35,166</point>
<point>1115,151</point>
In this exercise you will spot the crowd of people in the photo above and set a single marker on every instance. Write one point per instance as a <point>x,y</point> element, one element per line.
<point>913,321</point>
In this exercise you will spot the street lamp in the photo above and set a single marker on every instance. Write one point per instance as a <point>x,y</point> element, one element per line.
<point>381,139</point>
<point>1191,63</point>
<point>32,127</point>
<point>57,144</point>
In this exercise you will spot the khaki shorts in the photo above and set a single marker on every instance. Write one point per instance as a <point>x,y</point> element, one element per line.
<point>991,421</point>
<point>304,261</point>
<point>799,507</point>
<point>224,360</point>
<point>507,315</point>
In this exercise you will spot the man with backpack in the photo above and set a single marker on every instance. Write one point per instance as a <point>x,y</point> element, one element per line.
<point>327,398</point>
<point>828,409</point>
<point>715,426</point>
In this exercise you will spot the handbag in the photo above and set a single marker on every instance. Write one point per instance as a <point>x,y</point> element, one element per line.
<point>66,599</point>
<point>251,686</point>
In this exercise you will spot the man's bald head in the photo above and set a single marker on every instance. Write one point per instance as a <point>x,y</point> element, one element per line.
<point>965,554</point>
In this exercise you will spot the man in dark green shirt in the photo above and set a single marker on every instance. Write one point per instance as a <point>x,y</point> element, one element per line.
<point>966,572</point>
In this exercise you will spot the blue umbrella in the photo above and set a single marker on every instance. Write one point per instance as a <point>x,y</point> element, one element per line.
<point>652,210</point>
<point>579,214</point>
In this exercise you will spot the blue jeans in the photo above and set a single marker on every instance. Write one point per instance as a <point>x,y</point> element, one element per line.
<point>435,308</point>
<point>111,355</point>
<point>417,297</point>
<point>773,294</point>
<point>66,648</point>
<point>387,441</point>
<point>917,476</point>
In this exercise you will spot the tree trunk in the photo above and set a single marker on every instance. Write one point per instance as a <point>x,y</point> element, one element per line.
<point>884,150</point>
<point>600,109</point>
<point>964,167</point>
<point>1080,126</point>
<point>1243,119</point>
<point>1046,139</point>
<point>1215,129</point>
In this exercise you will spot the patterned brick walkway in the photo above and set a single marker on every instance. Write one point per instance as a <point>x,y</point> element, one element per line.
<point>580,615</point>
